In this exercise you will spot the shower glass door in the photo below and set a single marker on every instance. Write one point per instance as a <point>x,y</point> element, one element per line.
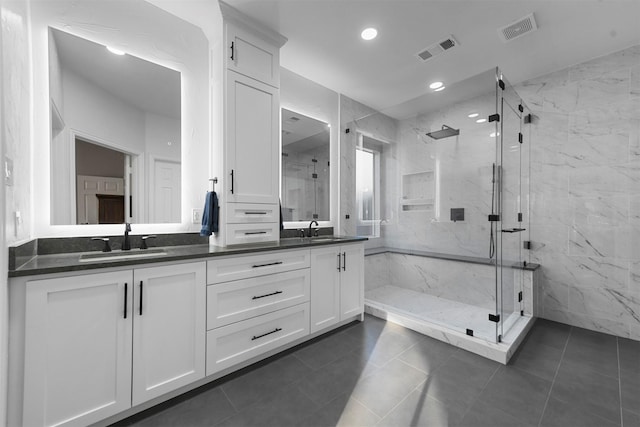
<point>513,224</point>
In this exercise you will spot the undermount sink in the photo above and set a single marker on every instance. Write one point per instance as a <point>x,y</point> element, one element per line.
<point>120,255</point>
<point>324,239</point>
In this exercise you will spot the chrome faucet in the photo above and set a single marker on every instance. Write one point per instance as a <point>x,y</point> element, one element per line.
<point>126,244</point>
<point>311,225</point>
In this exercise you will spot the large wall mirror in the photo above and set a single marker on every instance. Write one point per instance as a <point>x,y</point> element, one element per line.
<point>119,137</point>
<point>305,191</point>
<point>115,135</point>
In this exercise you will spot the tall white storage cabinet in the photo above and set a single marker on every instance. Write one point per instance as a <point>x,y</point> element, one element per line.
<point>98,344</point>
<point>246,130</point>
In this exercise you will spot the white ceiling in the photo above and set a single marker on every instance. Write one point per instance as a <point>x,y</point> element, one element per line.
<point>325,45</point>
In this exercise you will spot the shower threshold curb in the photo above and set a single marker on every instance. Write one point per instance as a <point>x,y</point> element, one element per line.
<point>499,352</point>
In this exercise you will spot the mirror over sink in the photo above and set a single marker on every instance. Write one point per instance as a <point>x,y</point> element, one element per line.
<point>305,168</point>
<point>115,135</point>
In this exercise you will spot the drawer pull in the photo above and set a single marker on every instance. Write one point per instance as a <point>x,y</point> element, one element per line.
<point>255,213</point>
<point>266,265</point>
<point>268,295</point>
<point>254,232</point>
<point>255,337</point>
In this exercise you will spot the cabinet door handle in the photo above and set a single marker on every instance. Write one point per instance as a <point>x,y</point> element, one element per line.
<point>338,261</point>
<point>248,233</point>
<point>126,286</point>
<point>140,297</point>
<point>231,181</point>
<point>266,265</point>
<point>255,213</point>
<point>255,337</point>
<point>344,261</point>
<point>232,52</point>
<point>267,295</point>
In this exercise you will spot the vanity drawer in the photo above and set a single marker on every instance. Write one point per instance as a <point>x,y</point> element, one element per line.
<point>237,342</point>
<point>246,266</point>
<point>238,213</point>
<point>238,234</point>
<point>232,302</point>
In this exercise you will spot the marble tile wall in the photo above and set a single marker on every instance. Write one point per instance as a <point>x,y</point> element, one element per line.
<point>585,192</point>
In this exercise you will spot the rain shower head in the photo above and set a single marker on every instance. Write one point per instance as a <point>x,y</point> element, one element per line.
<point>446,132</point>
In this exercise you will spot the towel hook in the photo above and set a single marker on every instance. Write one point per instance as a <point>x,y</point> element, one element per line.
<point>213,182</point>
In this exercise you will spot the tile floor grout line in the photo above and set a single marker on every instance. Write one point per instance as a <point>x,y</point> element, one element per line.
<point>555,375</point>
<point>227,397</point>
<point>619,382</point>
<point>402,400</point>
<point>480,393</point>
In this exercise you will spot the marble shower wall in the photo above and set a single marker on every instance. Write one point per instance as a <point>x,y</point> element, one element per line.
<point>585,192</point>
<point>456,173</point>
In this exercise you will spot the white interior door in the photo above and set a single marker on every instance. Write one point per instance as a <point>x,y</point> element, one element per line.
<point>87,202</point>
<point>165,192</point>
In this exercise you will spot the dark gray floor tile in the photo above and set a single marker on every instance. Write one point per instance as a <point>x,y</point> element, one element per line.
<point>418,409</point>
<point>460,379</point>
<point>593,350</point>
<point>577,385</point>
<point>630,390</point>
<point>253,385</point>
<point>630,419</point>
<point>384,347</point>
<point>341,411</point>
<point>385,388</point>
<point>518,393</point>
<point>549,333</point>
<point>576,414</point>
<point>537,358</point>
<point>283,409</point>
<point>481,415</point>
<point>629,353</point>
<point>336,378</point>
<point>325,351</point>
<point>207,408</point>
<point>427,354</point>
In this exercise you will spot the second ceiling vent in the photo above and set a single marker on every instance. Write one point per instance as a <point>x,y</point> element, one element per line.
<point>437,48</point>
<point>518,28</point>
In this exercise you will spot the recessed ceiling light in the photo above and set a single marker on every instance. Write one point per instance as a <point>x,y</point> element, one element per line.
<point>369,33</point>
<point>481,120</point>
<point>115,51</point>
<point>473,115</point>
<point>439,89</point>
<point>436,85</point>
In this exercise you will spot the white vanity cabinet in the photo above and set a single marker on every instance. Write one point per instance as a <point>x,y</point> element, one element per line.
<point>97,344</point>
<point>247,157</point>
<point>255,303</point>
<point>337,284</point>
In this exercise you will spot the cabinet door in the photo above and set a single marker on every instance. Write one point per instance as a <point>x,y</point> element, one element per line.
<point>251,129</point>
<point>168,328</point>
<point>77,349</point>
<point>325,287</point>
<point>352,281</point>
<point>252,56</point>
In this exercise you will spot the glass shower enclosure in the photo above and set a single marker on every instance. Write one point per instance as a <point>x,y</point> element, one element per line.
<point>456,208</point>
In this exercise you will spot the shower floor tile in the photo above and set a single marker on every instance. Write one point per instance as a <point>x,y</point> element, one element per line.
<point>453,314</point>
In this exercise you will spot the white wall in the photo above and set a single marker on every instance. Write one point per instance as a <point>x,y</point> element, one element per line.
<point>313,100</point>
<point>149,33</point>
<point>15,140</point>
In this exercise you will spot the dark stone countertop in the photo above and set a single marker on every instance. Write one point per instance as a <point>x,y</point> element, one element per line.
<point>64,262</point>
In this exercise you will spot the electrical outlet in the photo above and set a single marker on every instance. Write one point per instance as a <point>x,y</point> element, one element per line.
<point>8,171</point>
<point>196,216</point>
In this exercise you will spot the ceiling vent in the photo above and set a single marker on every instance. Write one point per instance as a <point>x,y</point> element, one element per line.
<point>518,28</point>
<point>437,48</point>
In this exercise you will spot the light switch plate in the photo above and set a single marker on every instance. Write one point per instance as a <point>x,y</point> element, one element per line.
<point>196,216</point>
<point>8,171</point>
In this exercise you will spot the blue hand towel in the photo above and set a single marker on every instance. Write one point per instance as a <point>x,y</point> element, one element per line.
<point>210,214</point>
